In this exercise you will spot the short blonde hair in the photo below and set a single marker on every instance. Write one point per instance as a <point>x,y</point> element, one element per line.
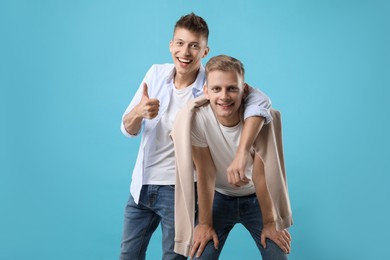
<point>225,63</point>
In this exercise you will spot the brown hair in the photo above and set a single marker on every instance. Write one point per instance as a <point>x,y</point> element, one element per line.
<point>193,23</point>
<point>225,63</point>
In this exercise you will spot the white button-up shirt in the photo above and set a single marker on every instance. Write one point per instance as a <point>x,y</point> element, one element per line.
<point>159,79</point>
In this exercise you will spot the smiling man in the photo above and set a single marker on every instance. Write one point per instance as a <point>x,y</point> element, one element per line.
<point>216,128</point>
<point>165,89</point>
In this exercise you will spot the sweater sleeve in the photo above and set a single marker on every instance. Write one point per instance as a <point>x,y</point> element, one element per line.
<point>269,147</point>
<point>185,186</point>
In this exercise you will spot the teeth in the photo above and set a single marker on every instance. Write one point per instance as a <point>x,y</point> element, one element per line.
<point>184,60</point>
<point>225,105</point>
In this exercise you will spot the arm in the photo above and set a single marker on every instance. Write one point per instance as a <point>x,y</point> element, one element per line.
<point>281,238</point>
<point>257,113</point>
<point>236,170</point>
<point>147,108</point>
<point>206,175</point>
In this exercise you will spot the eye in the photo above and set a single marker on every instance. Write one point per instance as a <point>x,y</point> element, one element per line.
<point>179,43</point>
<point>215,89</point>
<point>233,89</point>
<point>195,46</point>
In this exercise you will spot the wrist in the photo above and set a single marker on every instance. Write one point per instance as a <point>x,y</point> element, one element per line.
<point>242,151</point>
<point>269,223</point>
<point>205,224</point>
<point>139,111</point>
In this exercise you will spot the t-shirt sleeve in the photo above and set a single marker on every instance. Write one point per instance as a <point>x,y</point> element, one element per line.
<point>198,137</point>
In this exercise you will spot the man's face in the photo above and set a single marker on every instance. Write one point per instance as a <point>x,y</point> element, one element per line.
<point>188,49</point>
<point>225,90</point>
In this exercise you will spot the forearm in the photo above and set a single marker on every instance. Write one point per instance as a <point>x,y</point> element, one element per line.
<point>251,129</point>
<point>205,199</point>
<point>262,192</point>
<point>206,175</point>
<point>132,121</point>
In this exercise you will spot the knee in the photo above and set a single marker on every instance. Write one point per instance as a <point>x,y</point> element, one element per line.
<point>273,252</point>
<point>209,252</point>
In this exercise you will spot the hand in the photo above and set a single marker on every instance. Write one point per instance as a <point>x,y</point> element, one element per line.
<point>202,235</point>
<point>236,170</point>
<point>148,107</point>
<point>281,238</point>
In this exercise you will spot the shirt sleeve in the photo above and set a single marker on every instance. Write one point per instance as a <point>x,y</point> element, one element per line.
<point>257,104</point>
<point>198,137</point>
<point>136,99</point>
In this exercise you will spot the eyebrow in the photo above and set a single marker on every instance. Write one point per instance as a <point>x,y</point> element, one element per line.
<point>178,39</point>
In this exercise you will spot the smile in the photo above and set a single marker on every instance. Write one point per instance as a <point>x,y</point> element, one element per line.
<point>184,60</point>
<point>225,105</point>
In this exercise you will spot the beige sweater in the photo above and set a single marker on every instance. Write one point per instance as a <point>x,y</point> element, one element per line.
<point>268,145</point>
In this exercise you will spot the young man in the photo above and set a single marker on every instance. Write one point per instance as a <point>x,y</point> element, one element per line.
<point>165,89</point>
<point>215,133</point>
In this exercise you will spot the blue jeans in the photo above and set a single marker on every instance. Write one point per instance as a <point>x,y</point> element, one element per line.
<point>228,211</point>
<point>156,205</point>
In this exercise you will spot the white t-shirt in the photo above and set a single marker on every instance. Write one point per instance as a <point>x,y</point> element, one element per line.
<point>222,142</point>
<point>160,166</point>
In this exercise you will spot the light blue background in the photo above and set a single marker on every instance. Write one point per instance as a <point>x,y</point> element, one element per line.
<point>69,68</point>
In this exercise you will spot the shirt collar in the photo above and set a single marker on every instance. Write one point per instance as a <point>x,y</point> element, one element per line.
<point>197,86</point>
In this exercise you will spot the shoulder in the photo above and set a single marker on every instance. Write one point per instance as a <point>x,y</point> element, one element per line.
<point>158,74</point>
<point>203,115</point>
<point>162,68</point>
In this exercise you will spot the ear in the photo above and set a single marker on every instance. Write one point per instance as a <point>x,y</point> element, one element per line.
<point>206,91</point>
<point>245,91</point>
<point>206,51</point>
<point>170,46</point>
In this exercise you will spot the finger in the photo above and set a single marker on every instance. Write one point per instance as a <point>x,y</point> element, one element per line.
<point>151,108</point>
<point>244,182</point>
<point>194,248</point>
<point>216,241</point>
<point>145,92</point>
<point>200,249</point>
<point>285,238</point>
<point>283,244</point>
<point>150,115</point>
<point>287,234</point>
<point>244,178</point>
<point>263,243</point>
<point>287,244</point>
<point>237,178</point>
<point>280,244</point>
<point>153,101</point>
<point>230,179</point>
<point>150,111</point>
<point>242,175</point>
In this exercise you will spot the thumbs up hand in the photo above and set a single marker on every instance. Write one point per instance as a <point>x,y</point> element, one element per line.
<point>148,107</point>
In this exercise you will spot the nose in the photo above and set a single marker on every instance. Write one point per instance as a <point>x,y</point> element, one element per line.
<point>224,94</point>
<point>186,50</point>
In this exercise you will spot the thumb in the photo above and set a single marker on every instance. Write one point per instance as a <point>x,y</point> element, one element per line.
<point>243,177</point>
<point>263,243</point>
<point>145,92</point>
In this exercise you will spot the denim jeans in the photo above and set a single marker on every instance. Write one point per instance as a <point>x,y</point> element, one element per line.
<point>228,211</point>
<point>141,220</point>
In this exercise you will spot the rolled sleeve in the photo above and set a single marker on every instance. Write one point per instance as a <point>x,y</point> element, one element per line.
<point>127,134</point>
<point>258,104</point>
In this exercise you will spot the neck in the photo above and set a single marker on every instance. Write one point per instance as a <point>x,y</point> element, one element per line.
<point>182,81</point>
<point>231,121</point>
